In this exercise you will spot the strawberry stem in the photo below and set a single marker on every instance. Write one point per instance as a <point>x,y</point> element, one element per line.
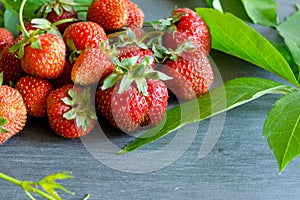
<point>64,21</point>
<point>73,3</point>
<point>21,19</point>
<point>1,77</point>
<point>25,186</point>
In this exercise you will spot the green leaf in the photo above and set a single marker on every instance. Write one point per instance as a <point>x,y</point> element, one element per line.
<point>290,31</point>
<point>237,8</point>
<point>11,21</point>
<point>244,42</point>
<point>29,9</point>
<point>282,128</point>
<point>286,53</point>
<point>230,95</point>
<point>262,11</point>
<point>216,4</point>
<point>49,185</point>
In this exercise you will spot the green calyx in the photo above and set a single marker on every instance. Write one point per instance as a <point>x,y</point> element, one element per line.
<point>134,69</point>
<point>163,54</point>
<point>129,70</point>
<point>82,111</point>
<point>168,23</point>
<point>58,6</point>
<point>31,39</point>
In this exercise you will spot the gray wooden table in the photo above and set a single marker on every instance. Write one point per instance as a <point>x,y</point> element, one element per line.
<point>240,166</point>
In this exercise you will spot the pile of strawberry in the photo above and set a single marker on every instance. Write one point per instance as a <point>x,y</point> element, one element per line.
<point>108,67</point>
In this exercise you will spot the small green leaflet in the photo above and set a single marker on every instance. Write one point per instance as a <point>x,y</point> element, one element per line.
<point>230,95</point>
<point>290,31</point>
<point>262,11</point>
<point>282,128</point>
<point>11,21</point>
<point>233,36</point>
<point>49,185</point>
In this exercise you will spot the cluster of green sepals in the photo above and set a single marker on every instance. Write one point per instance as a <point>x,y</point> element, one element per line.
<point>82,110</point>
<point>59,6</point>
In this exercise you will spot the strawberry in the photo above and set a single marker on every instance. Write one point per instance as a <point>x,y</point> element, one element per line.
<point>192,74</point>
<point>6,37</point>
<point>80,35</point>
<point>41,55</point>
<point>128,99</point>
<point>91,66</point>
<point>70,111</point>
<point>10,65</point>
<point>34,91</point>
<point>112,15</point>
<point>131,109</point>
<point>186,24</point>
<point>13,114</point>
<point>135,15</point>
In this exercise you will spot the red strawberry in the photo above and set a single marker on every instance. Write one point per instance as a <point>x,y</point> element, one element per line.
<point>192,74</point>
<point>134,100</point>
<point>135,15</point>
<point>10,65</point>
<point>12,112</point>
<point>83,34</point>
<point>70,111</point>
<point>65,77</point>
<point>91,66</point>
<point>112,15</point>
<point>47,62</point>
<point>34,91</point>
<point>131,109</point>
<point>6,37</point>
<point>188,25</point>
